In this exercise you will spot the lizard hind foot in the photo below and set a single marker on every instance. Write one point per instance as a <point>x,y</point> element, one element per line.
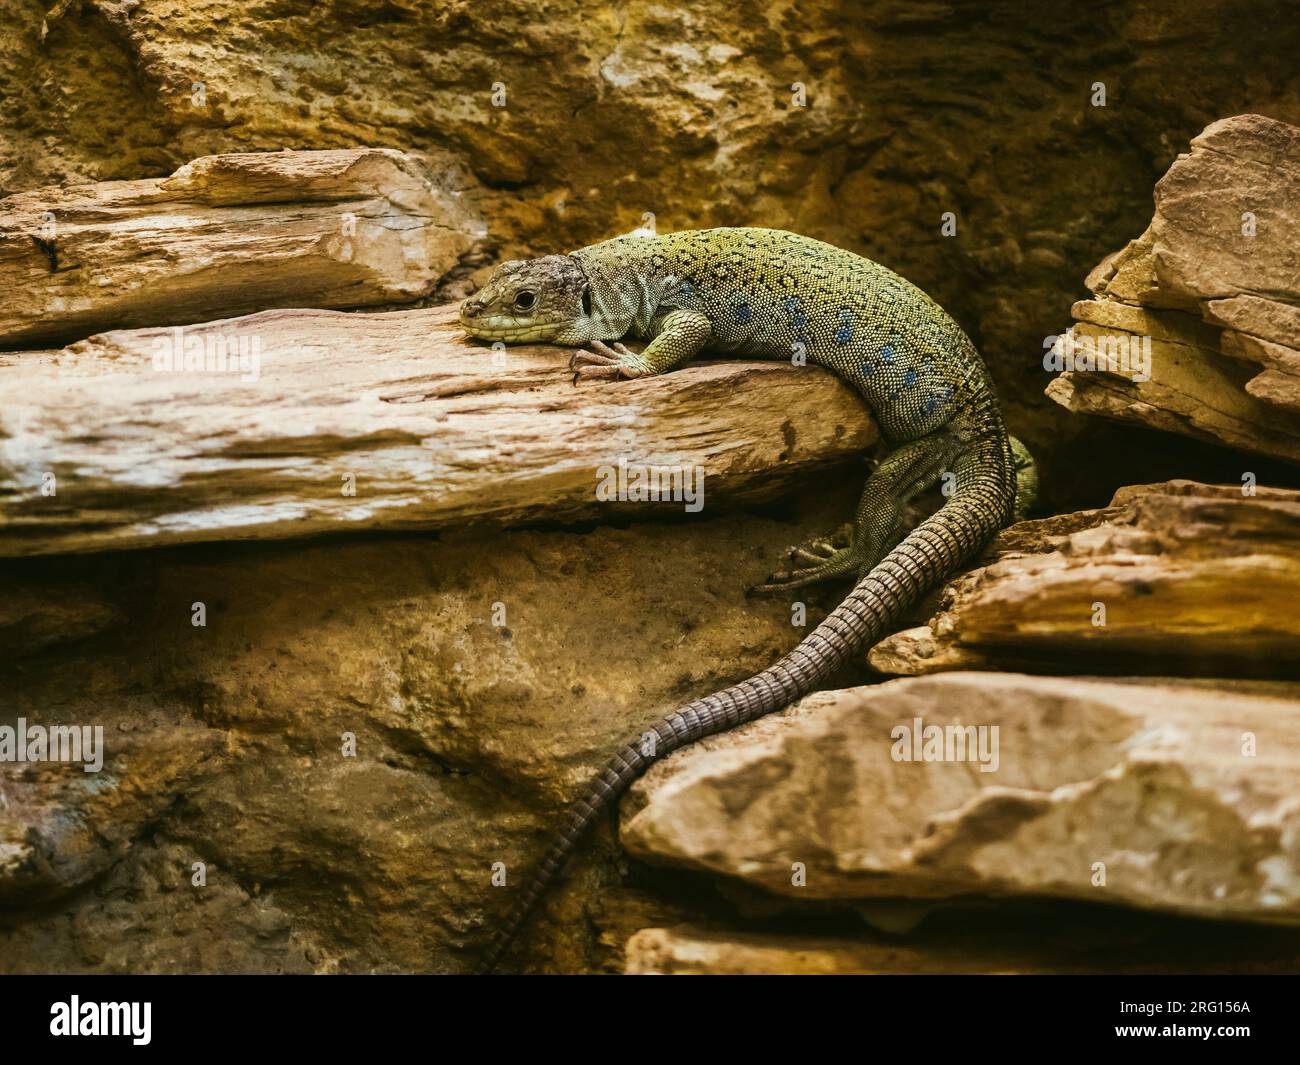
<point>820,559</point>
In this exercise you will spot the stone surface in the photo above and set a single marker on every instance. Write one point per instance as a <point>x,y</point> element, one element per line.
<point>61,826</point>
<point>432,429</point>
<point>485,673</point>
<point>1214,284</point>
<point>227,235</point>
<point>984,108</point>
<point>1193,579</point>
<point>34,618</point>
<point>224,743</point>
<point>1160,796</point>
<point>1043,940</point>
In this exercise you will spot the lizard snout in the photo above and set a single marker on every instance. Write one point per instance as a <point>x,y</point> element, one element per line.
<point>470,309</point>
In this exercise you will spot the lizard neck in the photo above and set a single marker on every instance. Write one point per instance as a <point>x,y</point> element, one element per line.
<point>625,295</point>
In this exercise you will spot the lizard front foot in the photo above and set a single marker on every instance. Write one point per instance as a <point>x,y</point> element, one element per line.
<point>613,363</point>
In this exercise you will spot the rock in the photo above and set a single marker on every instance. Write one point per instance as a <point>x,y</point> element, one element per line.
<point>484,675</point>
<point>422,427</point>
<point>1187,578</point>
<point>226,235</point>
<point>33,619</point>
<point>690,951</point>
<point>61,826</point>
<point>1212,287</point>
<point>1166,796</point>
<point>920,649</point>
<point>1051,940</point>
<point>909,115</point>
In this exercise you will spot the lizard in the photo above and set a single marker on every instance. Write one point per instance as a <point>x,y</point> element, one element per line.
<point>765,293</point>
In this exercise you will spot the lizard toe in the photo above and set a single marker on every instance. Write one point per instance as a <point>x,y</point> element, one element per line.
<point>839,564</point>
<point>582,357</point>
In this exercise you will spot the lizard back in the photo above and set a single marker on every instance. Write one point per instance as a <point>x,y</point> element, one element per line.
<point>773,294</point>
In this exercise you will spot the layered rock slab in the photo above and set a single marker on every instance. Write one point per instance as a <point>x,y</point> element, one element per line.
<point>227,235</point>
<point>1165,796</point>
<point>975,940</point>
<point>1178,577</point>
<point>1210,295</point>
<point>365,421</point>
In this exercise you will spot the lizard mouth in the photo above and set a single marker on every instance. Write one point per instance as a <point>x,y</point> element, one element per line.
<point>512,330</point>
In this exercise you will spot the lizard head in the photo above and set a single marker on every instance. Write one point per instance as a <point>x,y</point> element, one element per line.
<point>531,300</point>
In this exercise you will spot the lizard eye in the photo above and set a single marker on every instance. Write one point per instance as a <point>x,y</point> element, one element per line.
<point>525,300</point>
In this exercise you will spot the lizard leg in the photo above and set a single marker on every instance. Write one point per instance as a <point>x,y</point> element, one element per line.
<point>1026,479</point>
<point>821,548</point>
<point>678,336</point>
<point>880,521</point>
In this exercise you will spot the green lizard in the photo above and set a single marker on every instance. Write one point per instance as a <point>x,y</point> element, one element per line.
<point>766,293</point>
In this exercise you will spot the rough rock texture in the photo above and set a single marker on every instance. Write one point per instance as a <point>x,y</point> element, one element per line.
<point>432,429</point>
<point>482,674</point>
<point>34,618</point>
<point>1160,796</point>
<point>984,109</point>
<point>1193,579</point>
<point>224,742</point>
<point>1215,283</point>
<point>983,940</point>
<point>227,235</point>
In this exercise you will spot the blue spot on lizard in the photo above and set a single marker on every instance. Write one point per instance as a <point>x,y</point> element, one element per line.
<point>845,331</point>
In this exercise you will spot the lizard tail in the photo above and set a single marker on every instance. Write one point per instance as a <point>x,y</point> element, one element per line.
<point>960,529</point>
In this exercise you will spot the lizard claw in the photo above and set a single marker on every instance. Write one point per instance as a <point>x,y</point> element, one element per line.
<point>785,580</point>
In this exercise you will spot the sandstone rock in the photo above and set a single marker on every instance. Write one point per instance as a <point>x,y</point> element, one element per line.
<point>909,114</point>
<point>1159,796</point>
<point>429,429</point>
<point>60,825</point>
<point>1213,288</point>
<point>484,675</point>
<point>691,951</point>
<point>1045,940</point>
<point>1192,578</point>
<point>227,235</point>
<point>32,619</point>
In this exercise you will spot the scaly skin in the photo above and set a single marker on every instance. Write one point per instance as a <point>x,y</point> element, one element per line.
<point>767,294</point>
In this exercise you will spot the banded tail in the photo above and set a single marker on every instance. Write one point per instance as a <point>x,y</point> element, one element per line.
<point>980,505</point>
